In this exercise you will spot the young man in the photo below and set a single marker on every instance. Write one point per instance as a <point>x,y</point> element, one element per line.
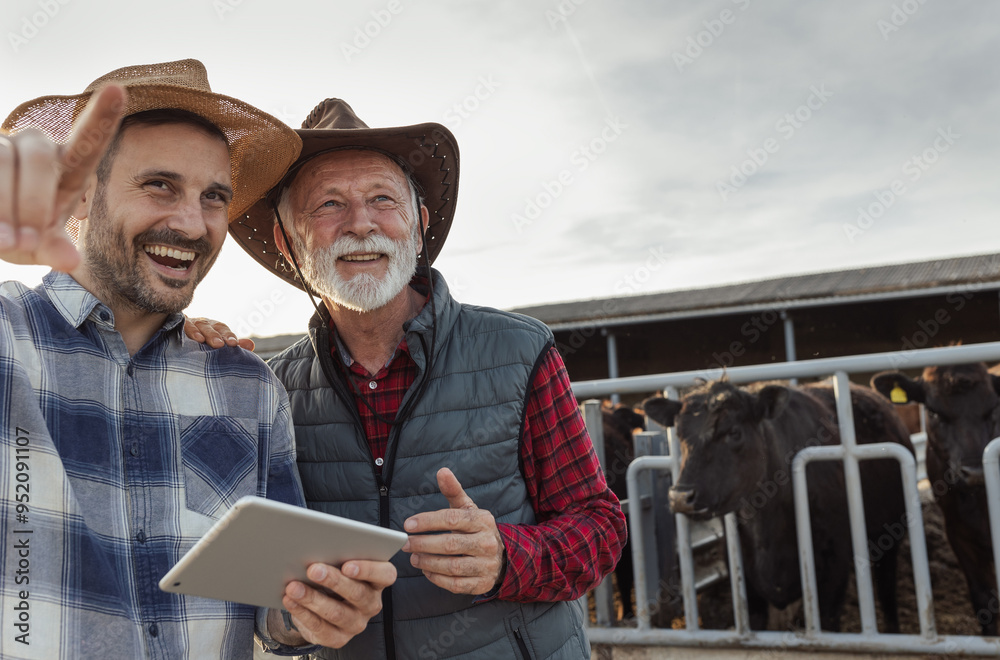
<point>401,395</point>
<point>122,440</point>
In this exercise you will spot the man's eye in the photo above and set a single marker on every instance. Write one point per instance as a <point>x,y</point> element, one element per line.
<point>162,185</point>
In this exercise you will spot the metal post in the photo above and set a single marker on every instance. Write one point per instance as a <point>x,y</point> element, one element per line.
<point>684,555</point>
<point>737,579</point>
<point>612,362</point>
<point>991,470</point>
<point>603,597</point>
<point>855,504</point>
<point>789,341</point>
<point>638,530</point>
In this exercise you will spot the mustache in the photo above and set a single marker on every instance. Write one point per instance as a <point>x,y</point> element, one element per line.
<point>375,243</point>
<point>165,236</point>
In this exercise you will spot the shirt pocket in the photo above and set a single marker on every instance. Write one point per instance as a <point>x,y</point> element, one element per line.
<point>220,460</point>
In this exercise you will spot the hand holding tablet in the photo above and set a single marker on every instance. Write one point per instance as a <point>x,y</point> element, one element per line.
<point>260,545</point>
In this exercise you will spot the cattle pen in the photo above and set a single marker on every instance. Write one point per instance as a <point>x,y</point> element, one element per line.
<point>643,640</point>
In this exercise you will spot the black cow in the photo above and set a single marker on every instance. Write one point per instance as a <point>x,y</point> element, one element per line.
<point>619,451</point>
<point>737,446</point>
<point>963,415</point>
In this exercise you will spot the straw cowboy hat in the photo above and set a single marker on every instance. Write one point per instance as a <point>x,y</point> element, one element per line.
<point>428,151</point>
<point>261,148</point>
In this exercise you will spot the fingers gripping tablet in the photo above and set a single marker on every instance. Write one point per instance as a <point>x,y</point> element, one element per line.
<point>259,546</point>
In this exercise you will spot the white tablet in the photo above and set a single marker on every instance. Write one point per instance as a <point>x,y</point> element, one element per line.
<point>259,546</point>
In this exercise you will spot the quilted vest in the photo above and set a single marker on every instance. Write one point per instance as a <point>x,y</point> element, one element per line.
<point>464,411</point>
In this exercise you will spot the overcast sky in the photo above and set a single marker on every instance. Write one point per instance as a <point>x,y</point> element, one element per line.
<point>607,148</point>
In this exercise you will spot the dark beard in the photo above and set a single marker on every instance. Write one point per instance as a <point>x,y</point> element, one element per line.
<point>114,263</point>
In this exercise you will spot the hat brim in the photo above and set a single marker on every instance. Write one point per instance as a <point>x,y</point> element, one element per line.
<point>261,147</point>
<point>430,151</point>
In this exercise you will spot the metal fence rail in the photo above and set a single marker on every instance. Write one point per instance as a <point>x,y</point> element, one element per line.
<point>812,638</point>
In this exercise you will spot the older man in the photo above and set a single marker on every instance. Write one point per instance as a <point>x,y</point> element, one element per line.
<point>122,441</point>
<point>453,422</point>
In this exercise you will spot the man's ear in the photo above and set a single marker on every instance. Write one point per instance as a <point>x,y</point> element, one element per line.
<point>424,222</point>
<point>279,242</point>
<point>82,209</point>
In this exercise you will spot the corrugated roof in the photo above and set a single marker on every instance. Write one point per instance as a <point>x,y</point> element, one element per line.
<point>871,280</point>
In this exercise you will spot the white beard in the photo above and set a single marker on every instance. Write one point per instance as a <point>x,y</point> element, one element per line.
<point>364,292</point>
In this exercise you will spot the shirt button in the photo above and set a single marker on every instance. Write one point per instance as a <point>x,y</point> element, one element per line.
<point>134,449</point>
<point>141,536</point>
<point>372,385</point>
<point>130,369</point>
<point>154,630</point>
<point>105,316</point>
<point>379,462</point>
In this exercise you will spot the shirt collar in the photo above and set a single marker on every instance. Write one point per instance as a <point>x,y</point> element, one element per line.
<point>345,355</point>
<point>76,305</point>
<point>339,349</point>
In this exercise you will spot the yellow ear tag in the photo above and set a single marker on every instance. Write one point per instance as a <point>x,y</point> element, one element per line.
<point>897,395</point>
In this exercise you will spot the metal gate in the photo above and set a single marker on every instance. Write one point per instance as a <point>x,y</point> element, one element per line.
<point>849,453</point>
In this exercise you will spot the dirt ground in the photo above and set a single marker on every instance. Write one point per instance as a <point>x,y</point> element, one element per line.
<point>952,610</point>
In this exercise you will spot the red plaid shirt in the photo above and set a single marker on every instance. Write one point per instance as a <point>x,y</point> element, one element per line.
<point>579,530</point>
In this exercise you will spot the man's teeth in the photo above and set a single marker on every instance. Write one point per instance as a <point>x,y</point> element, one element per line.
<point>361,257</point>
<point>164,251</point>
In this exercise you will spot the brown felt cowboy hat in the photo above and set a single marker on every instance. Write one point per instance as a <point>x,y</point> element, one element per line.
<point>261,148</point>
<point>428,151</point>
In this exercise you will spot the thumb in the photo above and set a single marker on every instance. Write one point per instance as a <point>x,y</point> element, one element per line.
<point>452,489</point>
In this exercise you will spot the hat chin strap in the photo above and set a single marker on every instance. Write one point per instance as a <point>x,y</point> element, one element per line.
<point>295,262</point>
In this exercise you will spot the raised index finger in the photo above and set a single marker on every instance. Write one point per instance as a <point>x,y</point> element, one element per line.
<point>93,132</point>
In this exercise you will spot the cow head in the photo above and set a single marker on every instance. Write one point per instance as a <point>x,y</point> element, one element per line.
<point>963,413</point>
<point>724,435</point>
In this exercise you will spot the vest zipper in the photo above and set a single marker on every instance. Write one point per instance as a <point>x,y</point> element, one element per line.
<point>521,644</point>
<point>383,519</point>
<point>322,350</point>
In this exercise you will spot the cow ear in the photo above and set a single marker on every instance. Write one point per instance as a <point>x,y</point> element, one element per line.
<point>662,411</point>
<point>899,389</point>
<point>770,401</point>
<point>629,418</point>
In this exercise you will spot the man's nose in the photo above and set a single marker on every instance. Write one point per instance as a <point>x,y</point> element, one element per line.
<point>360,220</point>
<point>189,219</point>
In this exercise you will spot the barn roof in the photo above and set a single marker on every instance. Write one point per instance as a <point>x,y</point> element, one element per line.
<point>859,284</point>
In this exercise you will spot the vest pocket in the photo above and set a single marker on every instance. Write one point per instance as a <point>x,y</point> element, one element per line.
<point>219,457</point>
<point>518,635</point>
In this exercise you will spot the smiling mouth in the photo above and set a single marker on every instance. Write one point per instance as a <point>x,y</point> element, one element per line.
<point>179,260</point>
<point>372,256</point>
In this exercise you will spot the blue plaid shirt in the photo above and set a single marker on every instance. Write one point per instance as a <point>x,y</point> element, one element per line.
<point>112,467</point>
